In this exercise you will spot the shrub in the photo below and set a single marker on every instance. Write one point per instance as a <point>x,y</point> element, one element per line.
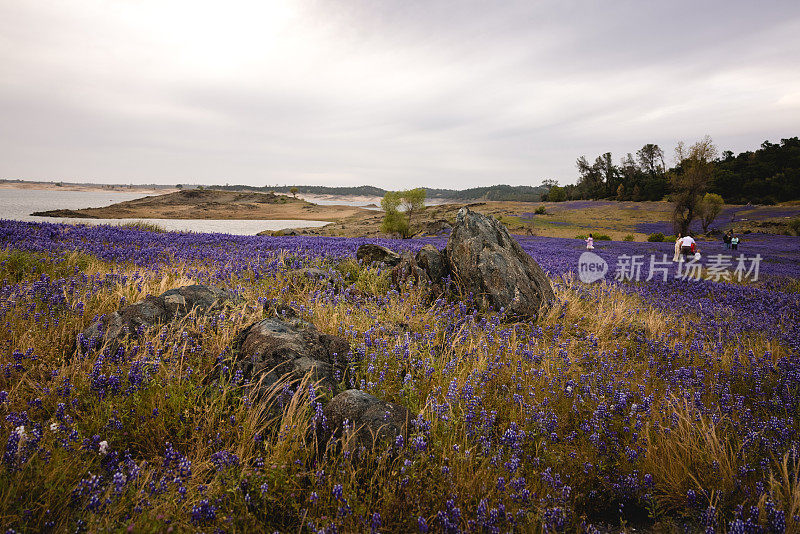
<point>601,237</point>
<point>143,226</point>
<point>658,237</point>
<point>628,237</point>
<point>395,222</point>
<point>794,226</point>
<point>541,210</point>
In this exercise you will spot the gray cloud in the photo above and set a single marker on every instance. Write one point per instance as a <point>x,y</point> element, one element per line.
<point>446,94</point>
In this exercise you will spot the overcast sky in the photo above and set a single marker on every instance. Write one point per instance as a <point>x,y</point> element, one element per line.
<point>389,93</point>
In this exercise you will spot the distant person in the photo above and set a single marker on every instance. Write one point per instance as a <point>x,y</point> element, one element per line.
<point>726,238</point>
<point>688,246</point>
<point>734,242</point>
<point>590,242</point>
<point>677,256</point>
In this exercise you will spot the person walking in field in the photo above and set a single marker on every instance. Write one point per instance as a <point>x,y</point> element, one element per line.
<point>726,238</point>
<point>734,242</point>
<point>590,242</point>
<point>677,256</point>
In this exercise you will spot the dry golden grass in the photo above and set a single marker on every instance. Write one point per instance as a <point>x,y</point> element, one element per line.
<point>689,452</point>
<point>415,359</point>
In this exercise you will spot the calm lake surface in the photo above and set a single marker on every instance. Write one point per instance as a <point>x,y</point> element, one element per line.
<point>18,204</point>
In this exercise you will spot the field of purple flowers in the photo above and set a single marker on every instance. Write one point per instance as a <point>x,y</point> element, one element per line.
<point>664,405</point>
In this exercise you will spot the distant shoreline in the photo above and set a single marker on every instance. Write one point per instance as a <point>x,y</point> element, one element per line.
<point>52,186</point>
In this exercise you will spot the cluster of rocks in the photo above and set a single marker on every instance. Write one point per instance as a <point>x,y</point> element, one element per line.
<point>285,350</point>
<point>267,354</point>
<point>482,259</point>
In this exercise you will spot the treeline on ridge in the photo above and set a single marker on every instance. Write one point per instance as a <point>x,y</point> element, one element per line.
<point>767,175</point>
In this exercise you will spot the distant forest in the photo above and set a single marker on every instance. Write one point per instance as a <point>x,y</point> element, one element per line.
<point>769,175</point>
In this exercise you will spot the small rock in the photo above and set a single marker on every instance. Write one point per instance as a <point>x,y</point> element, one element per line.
<point>170,305</point>
<point>408,268</point>
<point>267,350</point>
<point>433,262</point>
<point>369,253</point>
<point>375,422</point>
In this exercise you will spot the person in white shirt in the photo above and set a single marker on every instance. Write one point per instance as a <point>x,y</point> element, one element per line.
<point>590,242</point>
<point>687,246</point>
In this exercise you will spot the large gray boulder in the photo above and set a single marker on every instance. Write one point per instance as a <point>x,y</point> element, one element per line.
<point>487,262</point>
<point>370,253</point>
<point>169,306</point>
<point>274,349</point>
<point>374,421</point>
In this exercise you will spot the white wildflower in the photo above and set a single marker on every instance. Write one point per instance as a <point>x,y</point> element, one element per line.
<point>54,427</point>
<point>103,447</point>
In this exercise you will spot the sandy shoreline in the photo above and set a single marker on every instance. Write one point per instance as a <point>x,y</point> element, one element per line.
<point>51,186</point>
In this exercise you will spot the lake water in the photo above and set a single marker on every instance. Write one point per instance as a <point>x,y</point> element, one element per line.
<point>18,204</point>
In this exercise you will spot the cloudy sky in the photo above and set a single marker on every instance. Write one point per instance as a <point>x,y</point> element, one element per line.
<point>389,93</point>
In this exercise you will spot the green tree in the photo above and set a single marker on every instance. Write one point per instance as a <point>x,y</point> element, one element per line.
<point>399,208</point>
<point>653,173</point>
<point>557,194</point>
<point>690,180</point>
<point>412,201</point>
<point>394,222</point>
<point>610,173</point>
<point>294,191</point>
<point>709,207</point>
<point>590,182</point>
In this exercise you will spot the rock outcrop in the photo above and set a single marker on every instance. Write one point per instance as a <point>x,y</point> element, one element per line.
<point>374,421</point>
<point>483,259</point>
<point>487,262</point>
<point>369,253</point>
<point>273,348</point>
<point>170,305</point>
